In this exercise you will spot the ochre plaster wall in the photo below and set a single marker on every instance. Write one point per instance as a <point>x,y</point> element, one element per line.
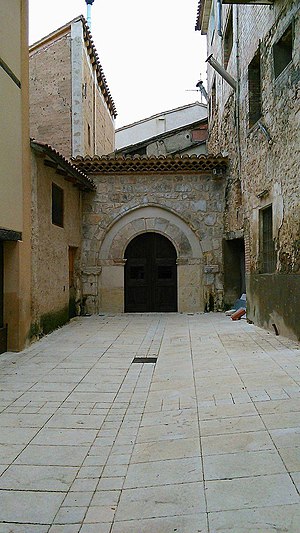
<point>11,191</point>
<point>15,183</point>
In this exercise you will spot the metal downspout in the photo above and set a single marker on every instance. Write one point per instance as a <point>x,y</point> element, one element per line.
<point>237,95</point>
<point>202,89</point>
<point>219,25</point>
<point>222,71</point>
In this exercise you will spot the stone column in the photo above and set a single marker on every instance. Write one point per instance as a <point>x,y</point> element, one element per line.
<point>112,286</point>
<point>190,285</point>
<point>90,289</point>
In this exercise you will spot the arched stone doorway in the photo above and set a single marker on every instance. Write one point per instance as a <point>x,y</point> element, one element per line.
<point>103,282</point>
<point>150,274</point>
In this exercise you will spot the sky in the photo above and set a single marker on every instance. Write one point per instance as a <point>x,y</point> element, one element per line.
<point>151,54</point>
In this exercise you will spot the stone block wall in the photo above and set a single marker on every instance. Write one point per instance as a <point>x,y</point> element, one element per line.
<point>187,209</point>
<point>264,157</point>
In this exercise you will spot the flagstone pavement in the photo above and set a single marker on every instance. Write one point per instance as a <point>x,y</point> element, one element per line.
<point>206,439</point>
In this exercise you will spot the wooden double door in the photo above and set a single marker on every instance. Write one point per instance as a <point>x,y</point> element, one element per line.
<point>150,275</point>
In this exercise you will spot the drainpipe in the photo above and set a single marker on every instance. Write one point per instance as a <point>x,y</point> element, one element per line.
<point>237,100</point>
<point>225,75</point>
<point>202,89</point>
<point>265,132</point>
<point>89,4</point>
<point>219,9</point>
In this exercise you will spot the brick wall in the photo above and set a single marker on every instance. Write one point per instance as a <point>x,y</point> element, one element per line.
<point>50,94</point>
<point>67,108</point>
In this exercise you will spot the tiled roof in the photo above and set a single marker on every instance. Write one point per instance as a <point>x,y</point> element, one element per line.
<point>64,166</point>
<point>114,164</point>
<point>198,19</point>
<point>94,57</point>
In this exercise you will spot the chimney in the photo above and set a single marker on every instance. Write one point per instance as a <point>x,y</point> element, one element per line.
<point>89,4</point>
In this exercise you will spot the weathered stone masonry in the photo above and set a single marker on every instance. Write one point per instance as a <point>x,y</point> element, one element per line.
<point>178,197</point>
<point>263,150</point>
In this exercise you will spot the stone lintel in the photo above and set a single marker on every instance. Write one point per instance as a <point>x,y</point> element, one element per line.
<point>230,235</point>
<point>118,261</point>
<point>211,269</point>
<point>92,270</point>
<point>189,261</point>
<point>10,235</point>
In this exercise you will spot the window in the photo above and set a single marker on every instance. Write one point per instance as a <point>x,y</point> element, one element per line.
<point>57,205</point>
<point>212,100</point>
<point>267,248</point>
<point>283,51</point>
<point>254,90</point>
<point>228,39</point>
<point>89,135</point>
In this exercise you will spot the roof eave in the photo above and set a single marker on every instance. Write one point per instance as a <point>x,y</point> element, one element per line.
<point>170,164</point>
<point>82,180</point>
<point>203,15</point>
<point>102,81</point>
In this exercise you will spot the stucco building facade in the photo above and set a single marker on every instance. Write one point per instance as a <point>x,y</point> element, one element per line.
<point>183,133</point>
<point>15,194</point>
<point>56,240</point>
<point>254,119</point>
<point>163,123</point>
<point>71,113</point>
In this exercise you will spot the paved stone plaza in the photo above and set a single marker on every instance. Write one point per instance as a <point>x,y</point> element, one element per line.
<point>205,440</point>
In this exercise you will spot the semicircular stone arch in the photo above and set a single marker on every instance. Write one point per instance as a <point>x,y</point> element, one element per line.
<point>110,276</point>
<point>150,219</point>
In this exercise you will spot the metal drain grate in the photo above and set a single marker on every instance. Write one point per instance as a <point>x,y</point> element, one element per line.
<point>144,360</point>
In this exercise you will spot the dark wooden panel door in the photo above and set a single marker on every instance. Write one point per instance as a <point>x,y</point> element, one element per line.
<point>150,275</point>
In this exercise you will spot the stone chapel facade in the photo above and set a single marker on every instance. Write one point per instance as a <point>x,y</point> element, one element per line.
<point>178,197</point>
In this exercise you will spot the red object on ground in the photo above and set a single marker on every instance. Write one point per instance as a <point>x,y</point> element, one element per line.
<point>238,314</point>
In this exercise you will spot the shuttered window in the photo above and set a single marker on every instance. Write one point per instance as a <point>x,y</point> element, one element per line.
<point>57,206</point>
<point>267,248</point>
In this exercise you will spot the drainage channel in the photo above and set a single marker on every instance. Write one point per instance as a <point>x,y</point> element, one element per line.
<point>144,360</point>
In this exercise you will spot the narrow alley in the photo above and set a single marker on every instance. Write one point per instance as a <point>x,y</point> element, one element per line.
<point>205,439</point>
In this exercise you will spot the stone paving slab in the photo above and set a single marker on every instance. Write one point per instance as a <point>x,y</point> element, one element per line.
<point>207,439</point>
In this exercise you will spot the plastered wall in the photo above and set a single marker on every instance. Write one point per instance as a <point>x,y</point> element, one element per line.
<point>50,243</point>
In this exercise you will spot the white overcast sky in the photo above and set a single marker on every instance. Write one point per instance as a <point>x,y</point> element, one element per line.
<point>149,49</point>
